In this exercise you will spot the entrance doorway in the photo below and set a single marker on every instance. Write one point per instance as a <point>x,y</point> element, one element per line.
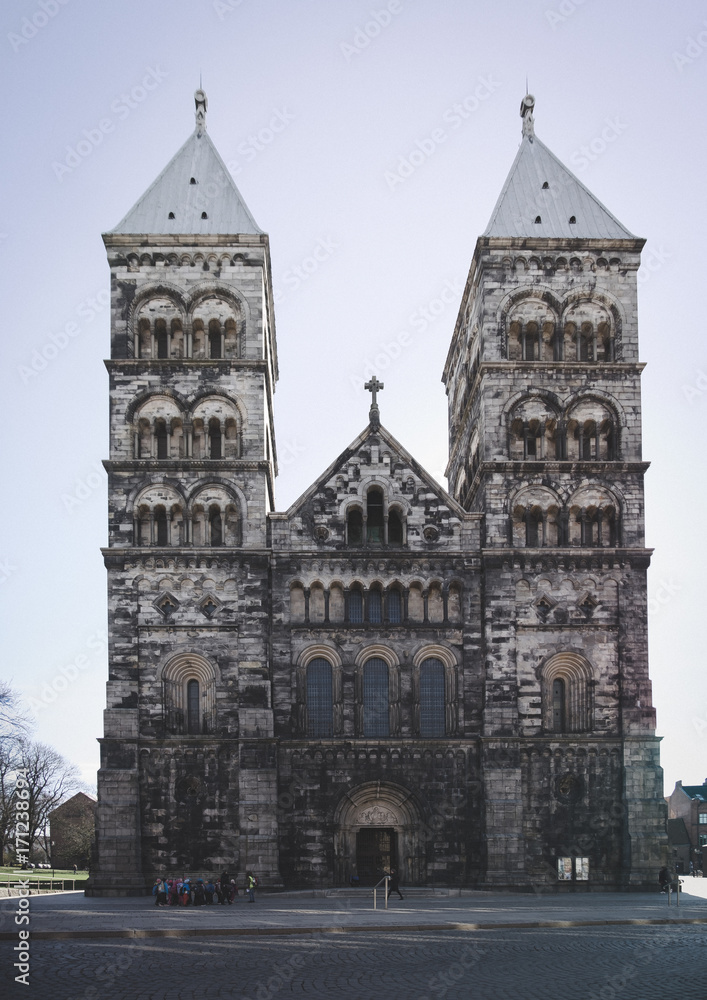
<point>376,851</point>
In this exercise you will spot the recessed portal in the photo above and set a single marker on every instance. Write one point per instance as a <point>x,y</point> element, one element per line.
<point>376,851</point>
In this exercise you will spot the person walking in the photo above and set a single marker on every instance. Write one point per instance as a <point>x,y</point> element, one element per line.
<point>251,883</point>
<point>394,884</point>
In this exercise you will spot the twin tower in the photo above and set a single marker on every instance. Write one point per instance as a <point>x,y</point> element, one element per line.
<point>386,673</point>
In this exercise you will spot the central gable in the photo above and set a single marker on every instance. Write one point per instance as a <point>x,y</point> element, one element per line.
<point>375,496</point>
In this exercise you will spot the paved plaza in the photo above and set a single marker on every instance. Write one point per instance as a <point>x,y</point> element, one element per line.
<point>476,945</point>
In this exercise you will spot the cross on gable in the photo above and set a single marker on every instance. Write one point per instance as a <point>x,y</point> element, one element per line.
<point>374,386</point>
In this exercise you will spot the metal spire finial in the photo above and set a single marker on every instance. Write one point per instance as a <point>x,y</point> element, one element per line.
<point>526,113</point>
<point>201,106</point>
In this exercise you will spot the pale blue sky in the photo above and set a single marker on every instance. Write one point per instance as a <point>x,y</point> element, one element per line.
<point>98,97</point>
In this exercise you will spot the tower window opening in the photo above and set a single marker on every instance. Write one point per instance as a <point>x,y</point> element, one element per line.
<point>215,440</point>
<point>214,339</point>
<point>216,527</point>
<point>533,529</point>
<point>354,527</point>
<point>395,528</point>
<point>161,526</point>
<point>375,698</point>
<point>545,185</point>
<point>432,709</point>
<point>573,220</point>
<point>162,340</point>
<point>538,220</point>
<point>395,610</point>
<point>204,215</point>
<point>375,607</point>
<point>319,698</point>
<point>558,705</point>
<point>171,215</point>
<point>193,708</point>
<point>161,439</point>
<point>192,180</point>
<point>374,529</point>
<point>355,606</point>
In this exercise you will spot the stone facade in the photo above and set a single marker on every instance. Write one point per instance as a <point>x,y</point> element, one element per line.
<point>456,684</point>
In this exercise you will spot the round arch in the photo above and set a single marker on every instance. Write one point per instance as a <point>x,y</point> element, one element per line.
<point>380,808</point>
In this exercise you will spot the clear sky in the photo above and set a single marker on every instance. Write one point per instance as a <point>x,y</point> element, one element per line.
<point>316,106</point>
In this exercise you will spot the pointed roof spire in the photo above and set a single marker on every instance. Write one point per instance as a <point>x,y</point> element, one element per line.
<point>194,194</point>
<point>542,198</point>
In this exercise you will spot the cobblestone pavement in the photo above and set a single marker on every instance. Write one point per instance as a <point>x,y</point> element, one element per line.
<point>72,913</point>
<point>619,963</point>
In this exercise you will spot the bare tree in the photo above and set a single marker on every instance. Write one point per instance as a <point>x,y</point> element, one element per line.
<point>49,779</point>
<point>9,762</point>
<point>14,721</point>
<point>14,727</point>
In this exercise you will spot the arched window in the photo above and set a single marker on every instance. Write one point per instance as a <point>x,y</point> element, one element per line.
<point>354,527</point>
<point>368,526</point>
<point>320,705</point>
<point>558,706</point>
<point>215,527</point>
<point>394,606</point>
<point>374,525</point>
<point>432,708</point>
<point>567,694</point>
<point>193,708</point>
<point>395,528</point>
<point>355,602</point>
<point>375,606</point>
<point>189,695</point>
<point>376,721</point>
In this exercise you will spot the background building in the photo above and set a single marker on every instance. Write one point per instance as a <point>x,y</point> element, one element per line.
<point>386,673</point>
<point>688,803</point>
<point>72,831</point>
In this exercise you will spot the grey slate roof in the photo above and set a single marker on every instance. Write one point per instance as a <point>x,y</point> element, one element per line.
<point>214,193</point>
<point>524,199</point>
<point>698,792</point>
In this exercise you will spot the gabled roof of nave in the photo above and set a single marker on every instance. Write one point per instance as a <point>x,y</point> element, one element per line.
<point>524,197</point>
<point>398,453</point>
<point>214,193</point>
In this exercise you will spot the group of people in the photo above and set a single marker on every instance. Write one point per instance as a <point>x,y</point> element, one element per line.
<point>198,892</point>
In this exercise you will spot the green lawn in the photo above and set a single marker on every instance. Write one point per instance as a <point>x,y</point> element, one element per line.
<point>44,874</point>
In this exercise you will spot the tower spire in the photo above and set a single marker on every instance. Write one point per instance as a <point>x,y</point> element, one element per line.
<point>201,105</point>
<point>526,113</point>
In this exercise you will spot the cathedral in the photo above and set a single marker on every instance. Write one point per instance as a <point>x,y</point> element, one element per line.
<point>385,674</point>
